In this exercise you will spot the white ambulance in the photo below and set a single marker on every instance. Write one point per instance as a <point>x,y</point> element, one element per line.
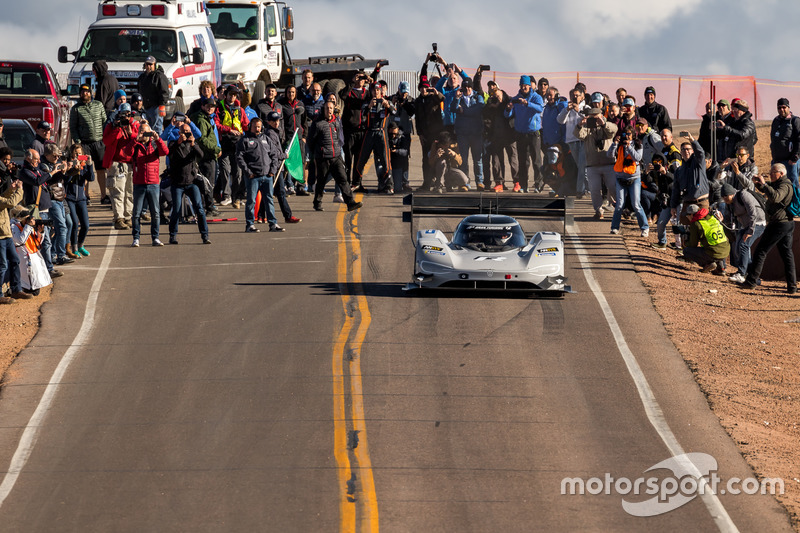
<point>175,32</point>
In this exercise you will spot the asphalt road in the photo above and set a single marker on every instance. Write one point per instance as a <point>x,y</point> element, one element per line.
<point>284,382</point>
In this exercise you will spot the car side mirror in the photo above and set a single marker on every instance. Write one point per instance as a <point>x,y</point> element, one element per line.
<point>62,54</point>
<point>198,56</point>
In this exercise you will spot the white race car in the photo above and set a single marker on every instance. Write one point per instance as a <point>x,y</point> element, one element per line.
<point>489,252</point>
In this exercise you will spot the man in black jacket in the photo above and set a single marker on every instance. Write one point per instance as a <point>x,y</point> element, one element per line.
<point>779,231</point>
<point>738,130</point>
<point>656,114</point>
<point>325,144</point>
<point>257,158</point>
<point>785,139</point>
<point>184,155</point>
<point>154,88</point>
<point>107,85</point>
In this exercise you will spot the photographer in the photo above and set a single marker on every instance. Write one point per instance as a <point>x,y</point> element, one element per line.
<point>570,117</point>
<point>9,260</point>
<point>499,137</point>
<point>146,150</point>
<point>661,178</point>
<point>627,153</point>
<point>81,174</point>
<point>708,245</point>
<point>690,185</point>
<point>468,107</point>
<point>596,134</point>
<point>184,155</point>
<point>34,177</point>
<point>352,123</point>
<point>117,160</point>
<point>428,120</point>
<point>58,166</point>
<point>28,236</point>
<point>445,161</point>
<point>526,110</point>
<point>8,169</point>
<point>376,113</point>
<point>404,104</point>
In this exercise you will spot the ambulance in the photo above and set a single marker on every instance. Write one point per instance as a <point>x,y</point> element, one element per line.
<point>175,32</point>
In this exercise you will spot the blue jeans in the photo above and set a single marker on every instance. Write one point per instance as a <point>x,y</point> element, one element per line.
<point>741,250</point>
<point>579,155</point>
<point>9,264</point>
<point>80,217</point>
<point>263,184</point>
<point>151,192</point>
<point>155,119</point>
<point>193,192</point>
<point>47,243</point>
<point>633,190</point>
<point>661,226</point>
<point>60,228</point>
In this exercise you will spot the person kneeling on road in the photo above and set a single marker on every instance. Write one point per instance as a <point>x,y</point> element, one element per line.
<point>708,245</point>
<point>253,154</point>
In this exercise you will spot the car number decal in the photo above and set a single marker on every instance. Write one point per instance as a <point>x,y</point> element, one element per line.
<point>487,258</point>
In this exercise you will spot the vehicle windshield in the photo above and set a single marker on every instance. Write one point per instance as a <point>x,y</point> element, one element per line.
<point>22,81</point>
<point>19,136</point>
<point>489,238</point>
<point>233,21</point>
<point>132,45</point>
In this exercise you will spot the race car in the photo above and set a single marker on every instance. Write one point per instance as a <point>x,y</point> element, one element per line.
<point>490,252</point>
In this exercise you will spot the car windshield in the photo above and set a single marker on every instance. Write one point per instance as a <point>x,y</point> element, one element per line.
<point>489,238</point>
<point>19,136</point>
<point>131,45</point>
<point>233,21</point>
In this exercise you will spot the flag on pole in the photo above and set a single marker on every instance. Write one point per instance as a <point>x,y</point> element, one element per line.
<point>294,159</point>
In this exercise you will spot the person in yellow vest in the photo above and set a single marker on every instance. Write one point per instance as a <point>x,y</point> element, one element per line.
<point>626,150</point>
<point>232,122</point>
<point>708,245</point>
<point>28,239</point>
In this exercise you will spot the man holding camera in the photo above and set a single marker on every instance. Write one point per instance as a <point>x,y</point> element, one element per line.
<point>58,166</point>
<point>691,184</point>
<point>9,260</point>
<point>352,121</point>
<point>257,157</point>
<point>526,109</point>
<point>597,134</point>
<point>146,150</point>
<point>184,154</point>
<point>34,177</point>
<point>468,106</point>
<point>429,122</point>
<point>117,160</point>
<point>499,139</point>
<point>570,117</point>
<point>376,113</point>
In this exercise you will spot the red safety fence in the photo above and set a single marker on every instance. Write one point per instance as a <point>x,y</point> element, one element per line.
<point>684,96</point>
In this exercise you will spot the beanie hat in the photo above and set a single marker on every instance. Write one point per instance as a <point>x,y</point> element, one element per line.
<point>783,102</point>
<point>728,189</point>
<point>119,93</point>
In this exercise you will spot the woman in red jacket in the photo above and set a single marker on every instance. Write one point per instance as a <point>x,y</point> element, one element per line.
<point>147,149</point>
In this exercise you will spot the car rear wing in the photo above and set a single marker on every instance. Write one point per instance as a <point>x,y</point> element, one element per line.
<point>479,203</point>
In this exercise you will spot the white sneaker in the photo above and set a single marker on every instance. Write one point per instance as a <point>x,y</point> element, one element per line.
<point>226,201</point>
<point>645,232</point>
<point>135,243</point>
<point>157,242</point>
<point>614,232</point>
<point>736,278</point>
<point>337,198</point>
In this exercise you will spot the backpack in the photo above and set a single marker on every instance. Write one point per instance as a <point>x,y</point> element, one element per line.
<point>793,209</point>
<point>762,201</point>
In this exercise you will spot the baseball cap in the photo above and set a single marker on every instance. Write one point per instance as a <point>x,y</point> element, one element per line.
<point>273,116</point>
<point>125,108</point>
<point>44,125</point>
<point>208,101</point>
<point>628,101</point>
<point>150,60</point>
<point>232,89</point>
<point>724,102</point>
<point>597,97</point>
<point>85,87</point>
<point>466,83</point>
<point>642,120</point>
<point>404,87</point>
<point>692,209</point>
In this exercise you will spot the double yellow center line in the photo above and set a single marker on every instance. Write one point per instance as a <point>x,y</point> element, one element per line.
<point>358,502</point>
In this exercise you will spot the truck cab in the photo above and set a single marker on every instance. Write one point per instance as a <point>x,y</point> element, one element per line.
<point>250,39</point>
<point>175,32</point>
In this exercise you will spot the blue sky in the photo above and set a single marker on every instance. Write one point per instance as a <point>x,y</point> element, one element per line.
<point>692,37</point>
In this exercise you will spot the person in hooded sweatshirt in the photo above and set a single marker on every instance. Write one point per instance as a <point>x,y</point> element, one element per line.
<point>708,245</point>
<point>106,85</point>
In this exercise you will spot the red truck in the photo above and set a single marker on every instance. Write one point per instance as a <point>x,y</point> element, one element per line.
<point>30,91</point>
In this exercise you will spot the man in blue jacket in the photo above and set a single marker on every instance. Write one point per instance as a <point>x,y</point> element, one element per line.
<point>526,108</point>
<point>468,106</point>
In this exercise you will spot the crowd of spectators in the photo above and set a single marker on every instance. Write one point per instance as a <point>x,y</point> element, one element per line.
<point>229,150</point>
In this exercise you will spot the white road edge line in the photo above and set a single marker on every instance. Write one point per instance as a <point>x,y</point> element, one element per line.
<point>653,410</point>
<point>31,432</point>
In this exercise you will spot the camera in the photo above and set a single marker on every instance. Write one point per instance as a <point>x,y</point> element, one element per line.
<point>148,134</point>
<point>624,136</point>
<point>481,68</point>
<point>383,62</point>
<point>43,222</point>
<point>680,230</point>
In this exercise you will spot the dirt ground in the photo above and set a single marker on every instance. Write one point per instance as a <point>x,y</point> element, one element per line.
<point>748,367</point>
